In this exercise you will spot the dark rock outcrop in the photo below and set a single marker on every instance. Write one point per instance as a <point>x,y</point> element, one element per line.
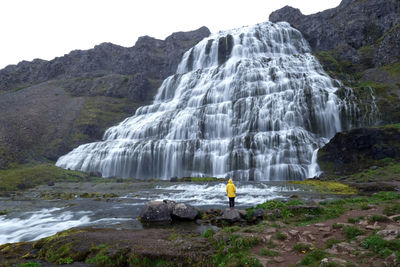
<point>358,149</point>
<point>49,107</point>
<point>354,23</point>
<point>183,211</point>
<point>231,215</point>
<point>150,57</point>
<point>155,212</point>
<point>165,211</point>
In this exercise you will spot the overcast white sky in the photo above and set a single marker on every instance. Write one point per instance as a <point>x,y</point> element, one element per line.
<point>50,28</point>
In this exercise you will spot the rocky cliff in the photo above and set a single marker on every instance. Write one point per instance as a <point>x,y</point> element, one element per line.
<point>49,107</point>
<point>350,26</point>
<point>359,149</point>
<point>357,43</point>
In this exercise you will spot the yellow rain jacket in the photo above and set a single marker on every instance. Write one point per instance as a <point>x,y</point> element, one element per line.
<point>231,189</point>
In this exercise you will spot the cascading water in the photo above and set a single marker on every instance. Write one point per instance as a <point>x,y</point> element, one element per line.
<point>250,103</point>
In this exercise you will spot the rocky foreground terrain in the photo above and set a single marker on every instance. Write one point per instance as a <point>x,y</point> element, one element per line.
<point>354,231</point>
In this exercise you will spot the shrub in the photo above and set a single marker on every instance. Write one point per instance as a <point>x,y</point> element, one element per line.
<point>231,229</point>
<point>378,218</point>
<point>392,210</point>
<point>280,236</point>
<point>314,256</point>
<point>209,233</point>
<point>351,232</point>
<point>302,247</point>
<point>332,241</point>
<point>380,246</point>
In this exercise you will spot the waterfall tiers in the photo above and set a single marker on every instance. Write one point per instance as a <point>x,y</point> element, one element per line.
<point>251,103</point>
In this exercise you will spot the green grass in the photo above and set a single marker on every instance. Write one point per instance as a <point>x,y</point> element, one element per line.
<point>231,229</point>
<point>351,232</point>
<point>205,179</point>
<point>381,247</point>
<point>235,251</point>
<point>280,236</point>
<point>332,241</point>
<point>302,247</point>
<point>326,187</point>
<point>392,209</point>
<point>209,233</point>
<point>269,252</point>
<point>378,218</point>
<point>28,176</point>
<point>29,264</point>
<point>314,257</point>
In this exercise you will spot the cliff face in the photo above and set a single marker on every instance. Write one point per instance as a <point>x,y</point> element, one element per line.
<point>358,149</point>
<point>150,57</point>
<point>351,25</point>
<point>49,107</point>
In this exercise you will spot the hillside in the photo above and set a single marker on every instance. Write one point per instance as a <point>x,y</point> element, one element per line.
<point>50,107</point>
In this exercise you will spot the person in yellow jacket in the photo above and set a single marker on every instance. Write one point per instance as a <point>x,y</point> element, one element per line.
<point>231,191</point>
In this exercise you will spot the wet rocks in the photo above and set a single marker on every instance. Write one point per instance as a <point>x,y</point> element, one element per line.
<point>183,211</point>
<point>165,211</point>
<point>155,211</point>
<point>259,213</point>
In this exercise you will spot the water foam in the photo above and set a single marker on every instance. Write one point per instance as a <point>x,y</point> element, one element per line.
<point>38,224</point>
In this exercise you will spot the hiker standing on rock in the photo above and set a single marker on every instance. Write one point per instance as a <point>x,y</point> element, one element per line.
<point>231,190</point>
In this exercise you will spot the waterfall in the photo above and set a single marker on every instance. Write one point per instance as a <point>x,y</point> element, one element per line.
<point>250,103</point>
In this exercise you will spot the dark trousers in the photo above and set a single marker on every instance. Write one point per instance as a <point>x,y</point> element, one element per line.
<point>231,202</point>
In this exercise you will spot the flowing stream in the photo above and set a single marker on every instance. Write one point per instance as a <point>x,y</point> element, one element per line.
<point>250,103</point>
<point>32,217</point>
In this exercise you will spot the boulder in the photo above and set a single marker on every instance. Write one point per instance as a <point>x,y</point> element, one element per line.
<point>259,213</point>
<point>171,204</point>
<point>231,215</point>
<point>174,179</point>
<point>155,212</point>
<point>183,211</point>
<point>390,233</point>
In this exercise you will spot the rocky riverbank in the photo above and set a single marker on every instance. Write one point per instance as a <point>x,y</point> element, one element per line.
<point>356,231</point>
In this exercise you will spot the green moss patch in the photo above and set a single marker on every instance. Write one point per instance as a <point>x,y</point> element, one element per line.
<point>326,187</point>
<point>28,176</point>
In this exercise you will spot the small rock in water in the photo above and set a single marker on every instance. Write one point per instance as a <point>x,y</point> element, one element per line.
<point>155,211</point>
<point>373,167</point>
<point>174,179</point>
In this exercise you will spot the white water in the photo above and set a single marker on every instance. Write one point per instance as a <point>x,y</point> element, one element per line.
<point>214,194</point>
<point>250,103</point>
<point>41,222</point>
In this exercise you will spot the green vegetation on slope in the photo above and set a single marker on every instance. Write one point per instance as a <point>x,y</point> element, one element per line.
<point>28,176</point>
